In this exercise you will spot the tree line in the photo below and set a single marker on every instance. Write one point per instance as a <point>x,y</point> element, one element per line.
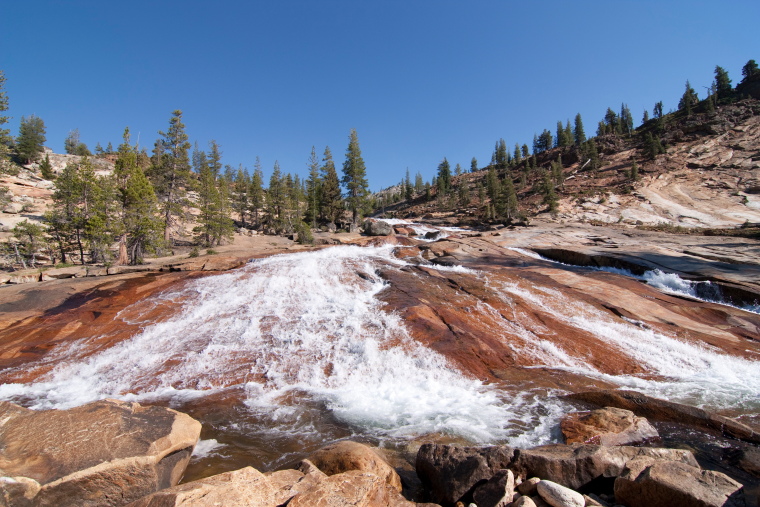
<point>144,204</point>
<point>510,171</point>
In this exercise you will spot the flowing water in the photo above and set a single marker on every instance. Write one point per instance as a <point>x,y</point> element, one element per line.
<point>297,350</point>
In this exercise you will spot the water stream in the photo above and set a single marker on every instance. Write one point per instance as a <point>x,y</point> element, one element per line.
<point>293,351</point>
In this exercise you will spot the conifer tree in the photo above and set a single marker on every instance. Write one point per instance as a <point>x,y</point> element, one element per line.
<point>578,133</point>
<point>473,165</point>
<point>256,192</point>
<point>626,119</point>
<point>652,146</point>
<point>419,185</point>
<point>313,190</point>
<point>517,157</point>
<point>46,168</point>
<point>332,204</point>
<point>657,111</point>
<point>688,100</point>
<point>458,170</point>
<point>275,198</point>
<point>645,118</point>
<point>634,170</point>
<point>750,69</point>
<point>30,237</point>
<point>170,172</point>
<point>141,229</point>
<point>492,184</point>
<point>444,177</point>
<point>31,138</point>
<point>355,177</point>
<point>5,134</point>
<point>525,152</point>
<point>722,83</point>
<point>240,201</point>
<point>548,192</point>
<point>408,188</point>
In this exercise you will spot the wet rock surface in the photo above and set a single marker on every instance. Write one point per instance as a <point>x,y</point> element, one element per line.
<point>103,453</point>
<point>607,426</point>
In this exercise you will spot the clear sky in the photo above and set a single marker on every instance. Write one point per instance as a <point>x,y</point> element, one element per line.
<point>419,79</point>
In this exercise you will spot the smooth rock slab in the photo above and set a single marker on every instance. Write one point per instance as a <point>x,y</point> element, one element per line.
<point>576,465</point>
<point>649,483</point>
<point>105,453</point>
<point>240,488</point>
<point>346,455</point>
<point>349,489</point>
<point>559,496</point>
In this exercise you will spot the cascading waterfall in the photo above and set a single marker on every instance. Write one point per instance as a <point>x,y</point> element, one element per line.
<point>690,373</point>
<point>305,344</point>
<point>295,332</point>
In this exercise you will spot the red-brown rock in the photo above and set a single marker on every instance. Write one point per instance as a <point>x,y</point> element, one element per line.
<point>607,426</point>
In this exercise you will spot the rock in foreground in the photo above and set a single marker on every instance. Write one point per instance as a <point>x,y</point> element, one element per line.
<point>105,453</point>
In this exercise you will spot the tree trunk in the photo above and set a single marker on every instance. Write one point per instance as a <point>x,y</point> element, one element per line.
<point>123,257</point>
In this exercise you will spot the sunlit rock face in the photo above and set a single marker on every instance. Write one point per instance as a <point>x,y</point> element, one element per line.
<point>293,351</point>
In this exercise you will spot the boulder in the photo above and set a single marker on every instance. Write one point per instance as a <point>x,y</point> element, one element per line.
<point>578,464</point>
<point>646,482</point>
<point>663,410</point>
<point>346,455</point>
<point>289,483</point>
<point>607,426</point>
<point>354,489</point>
<point>432,234</point>
<point>18,491</point>
<point>524,501</point>
<point>528,487</point>
<point>240,488</point>
<point>497,492</point>
<point>104,453</point>
<point>445,260</point>
<point>404,231</point>
<point>377,228</point>
<point>559,496</point>
<point>449,472</point>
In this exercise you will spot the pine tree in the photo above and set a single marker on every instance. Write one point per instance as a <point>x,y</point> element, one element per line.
<point>313,190</point>
<point>652,146</point>
<point>170,172</point>
<point>750,69</point>
<point>657,111</point>
<point>723,83</point>
<point>256,192</point>
<point>645,118</point>
<point>458,170</point>
<point>688,99</point>
<point>46,169</point>
<point>141,229</point>
<point>71,142</point>
<point>208,198</point>
<point>31,138</point>
<point>240,202</point>
<point>634,170</point>
<point>548,192</point>
<point>5,134</point>
<point>626,119</point>
<point>578,133</point>
<point>332,204</point>
<point>444,177</point>
<point>408,188</point>
<point>517,156</point>
<point>419,185</point>
<point>473,165</point>
<point>355,177</point>
<point>492,184</point>
<point>525,152</point>
<point>275,198</point>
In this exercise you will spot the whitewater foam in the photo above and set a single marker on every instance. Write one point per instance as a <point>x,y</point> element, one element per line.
<point>305,326</point>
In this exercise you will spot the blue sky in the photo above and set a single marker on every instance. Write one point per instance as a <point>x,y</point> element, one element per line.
<point>419,80</point>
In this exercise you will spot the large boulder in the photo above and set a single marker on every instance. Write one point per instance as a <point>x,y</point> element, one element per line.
<point>377,228</point>
<point>497,492</point>
<point>646,482</point>
<point>105,453</point>
<point>663,410</point>
<point>240,488</point>
<point>347,455</point>
<point>354,489</point>
<point>575,465</point>
<point>449,472</point>
<point>607,426</point>
<point>557,495</point>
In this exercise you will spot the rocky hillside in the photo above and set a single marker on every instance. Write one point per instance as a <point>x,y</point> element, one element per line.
<point>709,176</point>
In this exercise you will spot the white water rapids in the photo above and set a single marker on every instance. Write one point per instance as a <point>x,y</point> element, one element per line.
<point>305,334</point>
